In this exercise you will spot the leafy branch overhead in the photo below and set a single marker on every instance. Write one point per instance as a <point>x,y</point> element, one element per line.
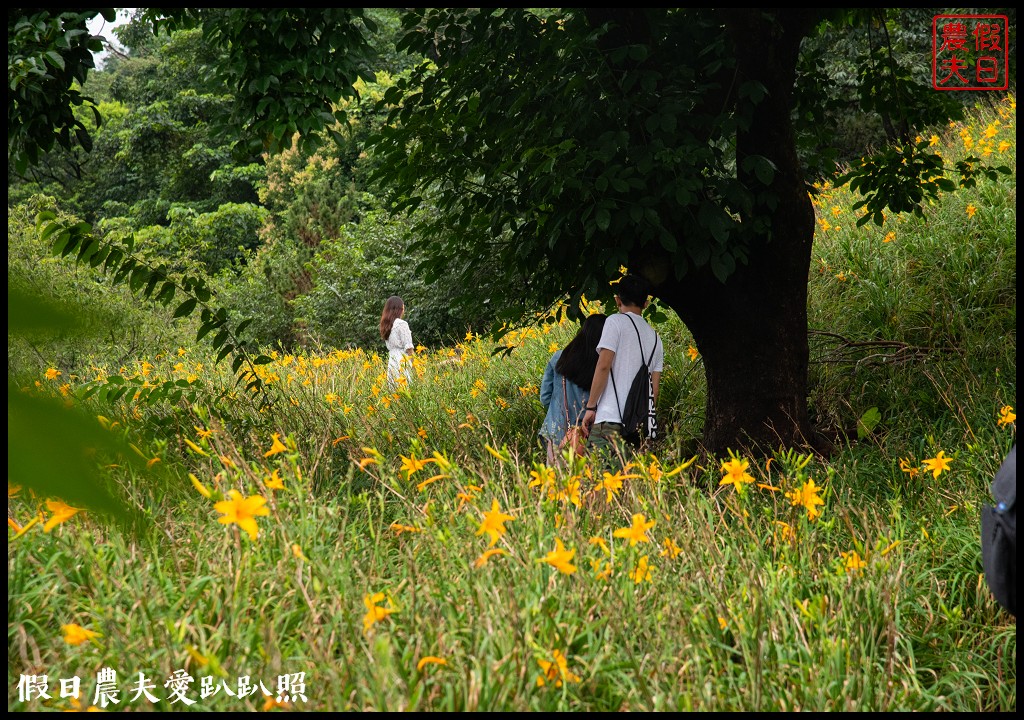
<point>900,179</point>
<point>157,285</point>
<point>48,57</point>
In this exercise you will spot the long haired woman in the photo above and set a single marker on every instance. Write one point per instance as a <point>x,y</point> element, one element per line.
<point>395,333</point>
<point>565,403</point>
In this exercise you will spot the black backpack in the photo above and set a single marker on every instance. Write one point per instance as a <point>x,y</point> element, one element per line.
<point>637,415</point>
<point>999,535</point>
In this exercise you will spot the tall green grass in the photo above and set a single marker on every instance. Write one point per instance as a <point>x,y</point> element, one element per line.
<point>739,601</point>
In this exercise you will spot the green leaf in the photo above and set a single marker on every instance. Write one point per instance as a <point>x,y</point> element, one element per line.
<point>185,308</point>
<point>603,218</point>
<point>868,422</point>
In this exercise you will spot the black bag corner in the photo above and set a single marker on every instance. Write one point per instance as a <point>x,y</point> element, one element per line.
<point>999,535</point>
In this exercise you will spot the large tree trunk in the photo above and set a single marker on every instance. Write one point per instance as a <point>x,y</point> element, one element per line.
<point>751,331</point>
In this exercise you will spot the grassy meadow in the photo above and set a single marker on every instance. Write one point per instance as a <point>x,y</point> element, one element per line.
<point>354,549</point>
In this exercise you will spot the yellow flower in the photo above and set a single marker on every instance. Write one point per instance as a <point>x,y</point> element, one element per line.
<point>412,464</point>
<point>272,702</point>
<point>52,373</point>
<point>808,497</point>
<point>907,467</point>
<point>890,236</point>
<point>784,532</point>
<point>933,140</point>
<point>202,432</point>
<point>542,476</point>
<point>1006,415</point>
<point>736,473</point>
<point>570,492</point>
<point>430,660</point>
<point>61,512</point>
<point>937,464</point>
<point>670,548</point>
<point>692,353</point>
<point>852,561</point>
<point>487,555</point>
<point>276,446</point>
<point>76,634</point>
<point>642,571</point>
<point>559,558</point>
<point>556,670</point>
<point>637,532</point>
<point>422,433</point>
<point>274,482</point>
<point>494,523</point>
<point>242,511</point>
<point>971,210</point>
<point>399,528</point>
<point>1004,146</point>
<point>374,612</point>
<point>611,484</point>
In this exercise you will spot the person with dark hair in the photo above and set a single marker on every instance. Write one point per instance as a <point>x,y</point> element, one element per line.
<point>395,333</point>
<point>627,342</point>
<point>566,384</point>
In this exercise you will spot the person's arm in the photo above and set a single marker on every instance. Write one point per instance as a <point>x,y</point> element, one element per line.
<point>407,332</point>
<point>655,382</point>
<point>597,387</point>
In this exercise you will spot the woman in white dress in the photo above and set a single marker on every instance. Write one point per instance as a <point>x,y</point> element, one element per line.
<point>398,337</point>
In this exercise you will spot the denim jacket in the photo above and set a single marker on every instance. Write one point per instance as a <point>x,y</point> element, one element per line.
<point>554,425</point>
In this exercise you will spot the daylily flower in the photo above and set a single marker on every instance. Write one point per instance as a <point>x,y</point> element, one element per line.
<point>808,497</point>
<point>274,482</point>
<point>611,483</point>
<point>242,511</point>
<point>556,670</point>
<point>670,548</point>
<point>494,523</point>
<point>375,613</point>
<point>637,532</point>
<point>61,512</point>
<point>642,572</point>
<point>276,446</point>
<point>937,464</point>
<point>76,634</point>
<point>412,464</point>
<point>559,558</point>
<point>1006,415</point>
<point>852,561</point>
<point>736,473</point>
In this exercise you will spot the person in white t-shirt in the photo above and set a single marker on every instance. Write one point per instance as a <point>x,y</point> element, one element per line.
<point>621,353</point>
<point>395,333</point>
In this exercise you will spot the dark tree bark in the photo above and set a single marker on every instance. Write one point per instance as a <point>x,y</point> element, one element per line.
<point>752,330</point>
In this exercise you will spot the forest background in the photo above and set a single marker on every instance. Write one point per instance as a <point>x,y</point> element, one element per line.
<point>376,582</point>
